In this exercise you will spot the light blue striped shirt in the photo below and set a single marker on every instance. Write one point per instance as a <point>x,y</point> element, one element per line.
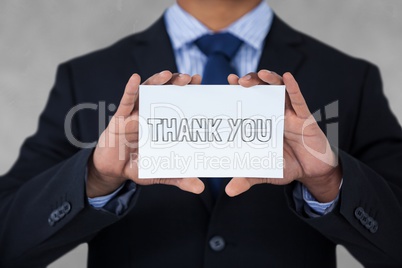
<point>183,29</point>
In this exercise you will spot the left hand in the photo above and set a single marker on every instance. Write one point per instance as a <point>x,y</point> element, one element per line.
<point>320,172</point>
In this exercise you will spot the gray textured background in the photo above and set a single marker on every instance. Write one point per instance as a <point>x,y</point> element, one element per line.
<point>35,36</point>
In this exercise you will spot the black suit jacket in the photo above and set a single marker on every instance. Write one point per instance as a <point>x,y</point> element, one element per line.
<point>44,210</point>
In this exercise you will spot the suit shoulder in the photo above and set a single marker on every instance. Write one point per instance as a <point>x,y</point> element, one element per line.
<point>119,55</point>
<point>120,51</point>
<point>115,52</point>
<point>327,54</point>
<point>317,55</point>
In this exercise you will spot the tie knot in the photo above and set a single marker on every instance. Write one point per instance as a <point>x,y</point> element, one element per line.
<point>220,43</point>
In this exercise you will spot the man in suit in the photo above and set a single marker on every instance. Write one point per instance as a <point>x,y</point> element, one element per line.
<point>59,194</point>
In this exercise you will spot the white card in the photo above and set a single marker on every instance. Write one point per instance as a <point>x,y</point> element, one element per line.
<point>211,131</point>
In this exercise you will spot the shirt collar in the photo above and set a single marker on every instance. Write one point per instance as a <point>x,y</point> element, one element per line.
<point>251,28</point>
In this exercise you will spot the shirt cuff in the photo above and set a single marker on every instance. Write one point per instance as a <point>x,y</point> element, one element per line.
<point>101,201</point>
<point>311,206</point>
<point>116,202</point>
<point>120,203</point>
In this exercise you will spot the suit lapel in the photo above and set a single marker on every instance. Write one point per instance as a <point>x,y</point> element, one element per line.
<point>280,54</point>
<point>153,51</point>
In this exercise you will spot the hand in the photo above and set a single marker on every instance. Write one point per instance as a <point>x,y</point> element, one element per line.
<point>321,175</point>
<point>114,158</point>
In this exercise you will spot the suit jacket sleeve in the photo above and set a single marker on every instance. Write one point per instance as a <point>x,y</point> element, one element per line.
<point>368,217</point>
<point>48,177</point>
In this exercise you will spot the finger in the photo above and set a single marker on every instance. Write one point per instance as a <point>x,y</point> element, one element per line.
<point>179,79</point>
<point>130,124</point>
<point>192,185</point>
<point>159,78</point>
<point>250,80</point>
<point>297,101</point>
<point>269,77</point>
<point>238,186</point>
<point>130,96</point>
<point>196,79</point>
<point>233,79</point>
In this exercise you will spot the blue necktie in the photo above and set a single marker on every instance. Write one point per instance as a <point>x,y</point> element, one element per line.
<point>220,49</point>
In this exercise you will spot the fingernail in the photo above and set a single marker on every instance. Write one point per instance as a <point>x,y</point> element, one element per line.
<point>162,72</point>
<point>247,77</point>
<point>268,71</point>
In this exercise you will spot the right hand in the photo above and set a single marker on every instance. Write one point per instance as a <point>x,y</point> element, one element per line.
<point>112,162</point>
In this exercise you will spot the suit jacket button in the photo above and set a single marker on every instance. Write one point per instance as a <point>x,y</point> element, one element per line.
<point>374,227</point>
<point>66,207</point>
<point>364,220</point>
<point>55,216</point>
<point>369,223</point>
<point>217,243</point>
<point>359,212</point>
<point>61,213</point>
